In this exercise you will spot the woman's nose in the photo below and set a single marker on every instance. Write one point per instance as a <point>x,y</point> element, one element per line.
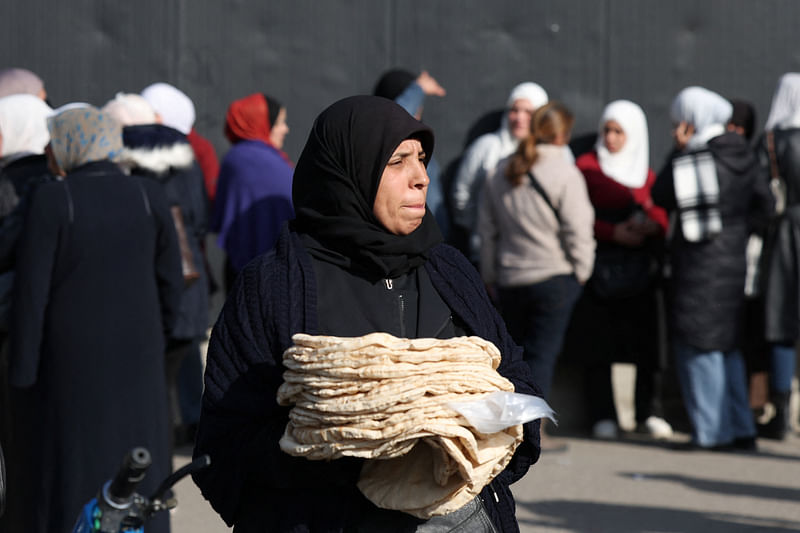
<point>421,178</point>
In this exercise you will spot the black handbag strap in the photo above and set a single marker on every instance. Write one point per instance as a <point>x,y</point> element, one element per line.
<point>538,186</point>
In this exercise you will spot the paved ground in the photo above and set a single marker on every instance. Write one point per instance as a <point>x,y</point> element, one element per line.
<point>632,485</point>
<point>626,486</point>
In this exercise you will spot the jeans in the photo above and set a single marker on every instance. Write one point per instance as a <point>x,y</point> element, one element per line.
<point>537,317</point>
<point>782,363</point>
<point>715,392</point>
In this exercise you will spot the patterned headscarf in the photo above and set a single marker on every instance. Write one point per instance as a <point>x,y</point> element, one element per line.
<point>82,135</point>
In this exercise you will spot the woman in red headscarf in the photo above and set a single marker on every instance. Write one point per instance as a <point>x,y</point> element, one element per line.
<point>254,191</point>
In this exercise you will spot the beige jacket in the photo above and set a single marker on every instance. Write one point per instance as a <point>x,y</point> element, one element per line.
<point>522,240</point>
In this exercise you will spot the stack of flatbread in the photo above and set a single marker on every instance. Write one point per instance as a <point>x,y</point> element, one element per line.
<point>384,398</point>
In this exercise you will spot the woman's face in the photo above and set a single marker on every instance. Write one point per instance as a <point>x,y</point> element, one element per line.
<point>279,130</point>
<point>519,118</point>
<point>400,202</point>
<point>613,136</point>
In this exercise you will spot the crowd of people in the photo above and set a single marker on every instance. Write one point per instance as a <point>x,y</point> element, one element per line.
<point>105,284</point>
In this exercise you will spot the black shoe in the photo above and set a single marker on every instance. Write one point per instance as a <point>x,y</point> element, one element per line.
<point>777,426</point>
<point>745,444</point>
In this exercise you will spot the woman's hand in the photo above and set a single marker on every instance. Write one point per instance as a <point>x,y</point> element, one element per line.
<point>627,234</point>
<point>645,225</point>
<point>682,133</point>
<point>429,85</point>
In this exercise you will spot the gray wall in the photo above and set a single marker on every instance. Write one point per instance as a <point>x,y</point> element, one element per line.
<point>309,53</point>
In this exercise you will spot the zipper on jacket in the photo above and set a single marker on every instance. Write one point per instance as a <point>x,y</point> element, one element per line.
<point>401,304</point>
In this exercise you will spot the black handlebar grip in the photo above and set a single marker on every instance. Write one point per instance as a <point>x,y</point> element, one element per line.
<point>130,474</point>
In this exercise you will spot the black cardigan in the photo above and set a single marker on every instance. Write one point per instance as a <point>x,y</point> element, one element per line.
<point>251,482</point>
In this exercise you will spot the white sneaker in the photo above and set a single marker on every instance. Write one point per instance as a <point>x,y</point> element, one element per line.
<point>605,429</point>
<point>658,428</point>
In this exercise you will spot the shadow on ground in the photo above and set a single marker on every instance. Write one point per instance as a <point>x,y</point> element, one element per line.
<point>583,516</point>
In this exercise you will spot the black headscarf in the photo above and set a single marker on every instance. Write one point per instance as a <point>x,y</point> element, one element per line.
<point>393,83</point>
<point>336,180</point>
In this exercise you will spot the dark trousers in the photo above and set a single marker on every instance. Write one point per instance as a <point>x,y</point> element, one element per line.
<point>625,330</point>
<point>537,317</point>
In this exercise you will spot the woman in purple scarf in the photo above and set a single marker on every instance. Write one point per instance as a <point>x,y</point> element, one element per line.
<point>254,194</point>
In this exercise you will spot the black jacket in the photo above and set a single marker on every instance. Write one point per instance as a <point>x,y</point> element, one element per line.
<point>165,155</point>
<point>251,482</point>
<point>706,302</point>
<point>781,252</point>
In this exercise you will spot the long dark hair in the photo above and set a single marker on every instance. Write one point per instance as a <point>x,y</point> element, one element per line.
<point>547,123</point>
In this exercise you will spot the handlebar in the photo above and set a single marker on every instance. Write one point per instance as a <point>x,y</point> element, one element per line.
<point>131,473</point>
<point>118,507</point>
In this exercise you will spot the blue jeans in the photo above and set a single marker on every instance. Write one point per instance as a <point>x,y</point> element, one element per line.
<point>714,387</point>
<point>537,317</point>
<point>782,363</point>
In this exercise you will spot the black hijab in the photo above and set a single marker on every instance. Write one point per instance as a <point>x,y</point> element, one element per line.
<point>336,180</point>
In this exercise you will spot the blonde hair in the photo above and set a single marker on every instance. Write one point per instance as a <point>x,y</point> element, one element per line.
<point>547,123</point>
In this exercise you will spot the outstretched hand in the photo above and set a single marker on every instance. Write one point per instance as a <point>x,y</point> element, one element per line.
<point>429,84</point>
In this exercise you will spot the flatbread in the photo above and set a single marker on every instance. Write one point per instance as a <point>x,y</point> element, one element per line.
<point>385,399</point>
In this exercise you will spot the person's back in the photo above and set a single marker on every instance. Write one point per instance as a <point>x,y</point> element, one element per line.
<point>97,283</point>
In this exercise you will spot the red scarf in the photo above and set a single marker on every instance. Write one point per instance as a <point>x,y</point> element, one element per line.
<point>248,119</point>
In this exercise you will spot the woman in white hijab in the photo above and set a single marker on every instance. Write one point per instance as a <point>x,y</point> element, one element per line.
<point>176,110</point>
<point>713,183</point>
<point>779,156</point>
<point>23,126</point>
<point>482,156</point>
<point>618,313</point>
<point>23,136</point>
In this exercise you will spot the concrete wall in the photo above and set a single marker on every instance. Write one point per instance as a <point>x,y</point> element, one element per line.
<point>309,53</point>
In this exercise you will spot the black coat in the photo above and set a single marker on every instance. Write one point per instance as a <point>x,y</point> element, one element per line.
<point>98,279</point>
<point>781,252</point>
<point>165,155</point>
<point>251,482</point>
<point>706,289</point>
<point>17,180</point>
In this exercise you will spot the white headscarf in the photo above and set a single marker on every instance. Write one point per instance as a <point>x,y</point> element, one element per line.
<point>533,93</point>
<point>707,111</point>
<point>130,109</point>
<point>785,110</point>
<point>630,165</point>
<point>175,108</point>
<point>23,124</point>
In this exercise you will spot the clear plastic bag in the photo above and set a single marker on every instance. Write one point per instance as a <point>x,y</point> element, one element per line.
<point>500,410</point>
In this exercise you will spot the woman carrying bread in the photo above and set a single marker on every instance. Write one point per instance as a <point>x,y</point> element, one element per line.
<point>363,255</point>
